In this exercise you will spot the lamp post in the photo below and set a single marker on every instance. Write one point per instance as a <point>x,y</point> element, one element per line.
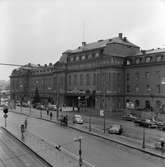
<point>79,139</point>
<point>143,144</point>
<point>79,103</point>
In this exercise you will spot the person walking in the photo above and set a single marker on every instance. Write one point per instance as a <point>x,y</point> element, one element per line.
<point>47,111</point>
<point>51,115</point>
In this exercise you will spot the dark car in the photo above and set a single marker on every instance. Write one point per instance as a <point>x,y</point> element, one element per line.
<point>129,117</point>
<point>145,123</point>
<point>160,125</point>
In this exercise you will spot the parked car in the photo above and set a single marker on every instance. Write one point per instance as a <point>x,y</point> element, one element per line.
<point>129,117</point>
<point>145,123</point>
<point>115,129</point>
<point>160,144</point>
<point>78,119</point>
<point>40,107</point>
<point>52,107</point>
<point>160,125</point>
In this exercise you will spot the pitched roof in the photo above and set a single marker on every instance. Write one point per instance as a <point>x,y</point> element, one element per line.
<point>102,44</point>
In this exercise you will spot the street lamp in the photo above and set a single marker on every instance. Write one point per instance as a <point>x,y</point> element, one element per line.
<point>79,139</point>
<point>79,103</point>
<point>143,144</point>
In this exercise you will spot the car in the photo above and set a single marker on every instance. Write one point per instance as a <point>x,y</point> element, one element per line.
<point>129,117</point>
<point>115,129</point>
<point>160,144</point>
<point>145,123</point>
<point>160,125</point>
<point>78,119</point>
<point>52,107</point>
<point>40,107</point>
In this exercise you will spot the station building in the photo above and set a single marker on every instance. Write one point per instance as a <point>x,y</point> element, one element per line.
<point>104,75</point>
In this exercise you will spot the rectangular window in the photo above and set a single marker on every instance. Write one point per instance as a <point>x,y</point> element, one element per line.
<point>81,79</point>
<point>87,79</point>
<point>128,88</point>
<point>70,80</point>
<point>147,75</point>
<point>158,88</point>
<point>75,79</point>
<point>94,79</point>
<point>128,76</point>
<point>137,76</point>
<point>148,88</point>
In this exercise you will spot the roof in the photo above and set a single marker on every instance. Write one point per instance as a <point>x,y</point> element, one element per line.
<point>152,51</point>
<point>102,44</point>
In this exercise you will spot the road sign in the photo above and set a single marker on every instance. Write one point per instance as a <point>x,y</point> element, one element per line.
<point>5,116</point>
<point>101,113</point>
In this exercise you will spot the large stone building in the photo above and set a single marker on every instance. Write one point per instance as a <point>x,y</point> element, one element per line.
<point>107,74</point>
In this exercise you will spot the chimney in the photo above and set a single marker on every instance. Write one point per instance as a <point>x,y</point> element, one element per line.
<point>83,43</point>
<point>125,39</point>
<point>120,35</point>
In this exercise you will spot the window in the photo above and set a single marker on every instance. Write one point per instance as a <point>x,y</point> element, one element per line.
<point>148,88</point>
<point>96,55</point>
<point>137,103</point>
<point>81,79</point>
<point>158,88</point>
<point>128,62</point>
<point>75,79</point>
<point>137,76</point>
<point>70,81</point>
<point>147,75</point>
<point>148,59</point>
<point>157,74</point>
<point>83,57</point>
<point>158,58</point>
<point>136,88</point>
<point>128,88</point>
<point>89,56</point>
<point>94,79</point>
<point>72,59</point>
<point>87,79</point>
<point>77,58</point>
<point>137,60</point>
<point>128,76</point>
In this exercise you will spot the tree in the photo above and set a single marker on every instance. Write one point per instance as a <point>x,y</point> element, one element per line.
<point>36,98</point>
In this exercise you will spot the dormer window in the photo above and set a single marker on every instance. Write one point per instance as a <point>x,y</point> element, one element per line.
<point>77,58</point>
<point>72,59</point>
<point>83,57</point>
<point>158,58</point>
<point>96,55</point>
<point>148,59</point>
<point>128,62</point>
<point>89,56</point>
<point>137,60</point>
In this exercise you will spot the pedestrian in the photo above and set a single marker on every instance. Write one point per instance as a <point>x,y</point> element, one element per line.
<point>47,111</point>
<point>51,115</point>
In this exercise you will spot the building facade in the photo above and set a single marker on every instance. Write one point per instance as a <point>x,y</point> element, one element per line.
<point>104,75</point>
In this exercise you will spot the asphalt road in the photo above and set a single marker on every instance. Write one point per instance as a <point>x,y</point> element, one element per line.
<point>95,150</point>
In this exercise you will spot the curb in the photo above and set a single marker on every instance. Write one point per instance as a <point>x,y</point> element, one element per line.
<point>105,138</point>
<point>42,159</point>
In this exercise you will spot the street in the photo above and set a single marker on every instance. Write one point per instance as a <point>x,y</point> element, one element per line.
<point>95,150</point>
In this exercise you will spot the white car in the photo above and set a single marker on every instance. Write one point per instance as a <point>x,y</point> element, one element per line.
<point>115,129</point>
<point>78,119</point>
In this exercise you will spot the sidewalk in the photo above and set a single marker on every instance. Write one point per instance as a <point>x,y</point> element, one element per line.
<point>126,141</point>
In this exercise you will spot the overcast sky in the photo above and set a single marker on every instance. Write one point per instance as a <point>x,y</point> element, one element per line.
<point>38,31</point>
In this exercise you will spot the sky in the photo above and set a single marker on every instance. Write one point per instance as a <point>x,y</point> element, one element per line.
<point>38,31</point>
